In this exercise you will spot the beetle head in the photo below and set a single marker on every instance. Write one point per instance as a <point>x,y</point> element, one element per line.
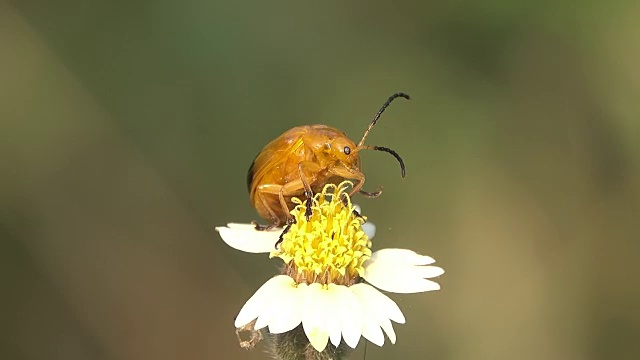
<point>344,151</point>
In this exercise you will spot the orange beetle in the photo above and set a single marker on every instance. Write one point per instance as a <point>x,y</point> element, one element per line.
<point>301,161</point>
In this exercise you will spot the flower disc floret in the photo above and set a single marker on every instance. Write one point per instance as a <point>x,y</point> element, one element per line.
<point>330,247</point>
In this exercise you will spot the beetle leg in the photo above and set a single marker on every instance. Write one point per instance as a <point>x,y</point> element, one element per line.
<point>286,230</point>
<point>274,218</point>
<point>345,202</point>
<point>291,188</point>
<point>359,177</point>
<point>348,174</point>
<point>373,194</point>
<point>357,214</point>
<point>308,193</point>
<point>283,203</point>
<point>259,227</point>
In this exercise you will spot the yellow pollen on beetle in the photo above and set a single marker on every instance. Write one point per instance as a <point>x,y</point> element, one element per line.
<point>331,246</point>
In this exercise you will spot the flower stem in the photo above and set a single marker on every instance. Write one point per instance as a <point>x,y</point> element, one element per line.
<point>294,345</point>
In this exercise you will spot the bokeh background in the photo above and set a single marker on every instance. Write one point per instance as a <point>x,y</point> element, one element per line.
<point>127,128</point>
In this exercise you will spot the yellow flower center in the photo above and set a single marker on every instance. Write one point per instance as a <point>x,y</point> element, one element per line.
<point>331,246</point>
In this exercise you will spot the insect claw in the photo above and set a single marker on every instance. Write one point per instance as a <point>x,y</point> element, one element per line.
<point>308,212</point>
<point>357,214</point>
<point>372,194</point>
<point>290,222</point>
<point>344,199</point>
<point>345,202</point>
<point>259,227</point>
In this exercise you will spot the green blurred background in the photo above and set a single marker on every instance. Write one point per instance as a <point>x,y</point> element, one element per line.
<point>127,128</point>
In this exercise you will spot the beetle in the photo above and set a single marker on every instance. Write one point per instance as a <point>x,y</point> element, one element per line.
<point>301,161</point>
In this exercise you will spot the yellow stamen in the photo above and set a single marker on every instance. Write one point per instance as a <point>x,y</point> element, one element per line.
<point>329,248</point>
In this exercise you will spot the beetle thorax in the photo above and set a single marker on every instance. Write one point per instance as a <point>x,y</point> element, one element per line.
<point>331,147</point>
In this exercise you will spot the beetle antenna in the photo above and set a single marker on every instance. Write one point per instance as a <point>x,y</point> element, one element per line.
<point>387,150</point>
<point>382,109</point>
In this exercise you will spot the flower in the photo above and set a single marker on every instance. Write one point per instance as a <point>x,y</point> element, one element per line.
<point>326,258</point>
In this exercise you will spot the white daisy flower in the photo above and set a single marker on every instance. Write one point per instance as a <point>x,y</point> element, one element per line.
<point>321,288</point>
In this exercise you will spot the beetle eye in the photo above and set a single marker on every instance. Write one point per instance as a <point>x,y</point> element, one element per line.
<point>347,150</point>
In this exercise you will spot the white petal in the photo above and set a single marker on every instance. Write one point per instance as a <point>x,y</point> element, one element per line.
<point>404,256</point>
<point>313,320</point>
<point>371,330</point>
<point>399,280</point>
<point>401,271</point>
<point>380,309</point>
<point>379,301</point>
<point>282,312</point>
<point>245,237</point>
<point>369,229</point>
<point>412,287</point>
<point>388,328</point>
<point>269,291</point>
<point>349,314</point>
<point>334,334</point>
<point>288,313</point>
<point>427,272</point>
<point>331,303</point>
